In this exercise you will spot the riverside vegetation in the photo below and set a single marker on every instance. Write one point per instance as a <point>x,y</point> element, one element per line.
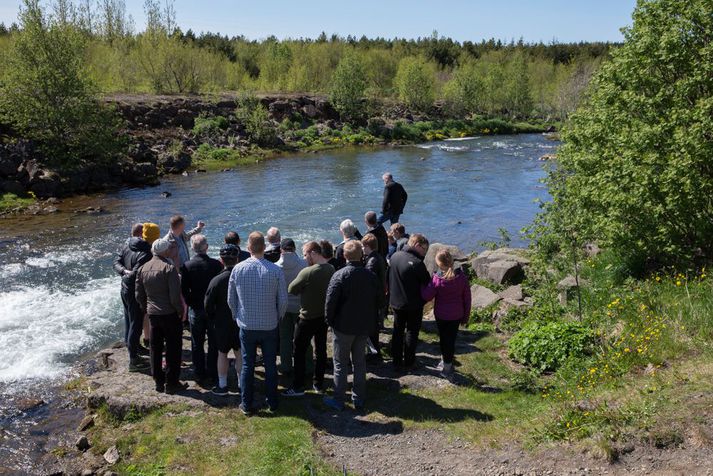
<point>60,60</point>
<point>621,368</point>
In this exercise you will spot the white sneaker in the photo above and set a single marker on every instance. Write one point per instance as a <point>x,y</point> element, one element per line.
<point>440,366</point>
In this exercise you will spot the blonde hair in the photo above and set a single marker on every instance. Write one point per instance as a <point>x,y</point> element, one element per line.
<point>418,239</point>
<point>353,250</point>
<point>256,243</point>
<point>444,259</point>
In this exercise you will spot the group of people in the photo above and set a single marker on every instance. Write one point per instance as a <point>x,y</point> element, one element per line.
<point>284,302</point>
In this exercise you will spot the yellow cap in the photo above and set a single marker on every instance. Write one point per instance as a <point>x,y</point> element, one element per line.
<point>151,232</point>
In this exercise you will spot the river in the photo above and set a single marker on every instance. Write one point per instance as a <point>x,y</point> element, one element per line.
<point>59,297</point>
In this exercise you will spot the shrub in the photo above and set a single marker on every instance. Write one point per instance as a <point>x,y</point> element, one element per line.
<point>348,86</point>
<point>415,82</point>
<point>47,95</point>
<point>634,171</point>
<point>546,346</point>
<point>209,126</point>
<point>256,120</point>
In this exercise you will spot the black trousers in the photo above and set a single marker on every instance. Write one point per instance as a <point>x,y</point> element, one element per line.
<point>447,333</point>
<point>133,323</point>
<point>166,330</point>
<point>374,337</point>
<point>305,330</point>
<point>407,325</point>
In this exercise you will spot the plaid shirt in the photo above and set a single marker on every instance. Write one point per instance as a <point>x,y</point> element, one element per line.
<point>257,294</point>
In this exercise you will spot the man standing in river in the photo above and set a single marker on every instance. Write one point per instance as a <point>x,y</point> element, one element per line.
<point>394,200</point>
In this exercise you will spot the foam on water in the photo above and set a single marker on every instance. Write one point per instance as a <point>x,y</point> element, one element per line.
<point>41,327</point>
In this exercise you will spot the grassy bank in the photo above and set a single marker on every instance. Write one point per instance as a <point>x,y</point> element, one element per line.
<point>319,137</point>
<point>641,380</point>
<point>9,202</point>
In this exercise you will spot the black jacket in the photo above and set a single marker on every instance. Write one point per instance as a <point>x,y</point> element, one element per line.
<point>381,238</point>
<point>407,274</point>
<point>196,274</point>
<point>273,253</point>
<point>135,253</point>
<point>394,199</point>
<point>216,299</point>
<point>377,265</point>
<point>354,298</point>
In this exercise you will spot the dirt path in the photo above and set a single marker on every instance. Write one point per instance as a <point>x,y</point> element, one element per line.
<point>379,443</point>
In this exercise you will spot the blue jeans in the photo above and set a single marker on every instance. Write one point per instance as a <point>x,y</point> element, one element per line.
<point>249,342</point>
<point>199,330</point>
<point>390,217</point>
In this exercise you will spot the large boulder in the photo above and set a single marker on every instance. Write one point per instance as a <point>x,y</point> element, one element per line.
<point>12,186</point>
<point>45,185</point>
<point>513,293</point>
<point>174,162</point>
<point>482,297</point>
<point>501,266</point>
<point>430,259</point>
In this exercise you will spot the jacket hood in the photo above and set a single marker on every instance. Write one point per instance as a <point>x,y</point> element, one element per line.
<point>137,244</point>
<point>290,261</point>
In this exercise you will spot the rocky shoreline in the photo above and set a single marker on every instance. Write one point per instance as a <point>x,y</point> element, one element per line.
<point>162,140</point>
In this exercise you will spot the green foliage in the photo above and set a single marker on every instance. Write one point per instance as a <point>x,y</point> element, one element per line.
<point>634,172</point>
<point>546,346</point>
<point>415,83</point>
<point>253,115</point>
<point>464,92</point>
<point>46,93</point>
<point>348,86</point>
<point>10,201</point>
<point>210,126</point>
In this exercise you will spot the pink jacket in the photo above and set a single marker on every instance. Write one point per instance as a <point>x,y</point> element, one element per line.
<point>452,297</point>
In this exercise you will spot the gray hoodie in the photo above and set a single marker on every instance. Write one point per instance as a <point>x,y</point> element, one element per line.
<point>291,265</point>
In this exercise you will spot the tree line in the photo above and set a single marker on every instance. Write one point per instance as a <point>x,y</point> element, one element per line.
<point>513,79</point>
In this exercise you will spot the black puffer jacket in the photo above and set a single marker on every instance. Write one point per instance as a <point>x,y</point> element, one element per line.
<point>354,298</point>
<point>382,239</point>
<point>130,258</point>
<point>377,265</point>
<point>407,274</point>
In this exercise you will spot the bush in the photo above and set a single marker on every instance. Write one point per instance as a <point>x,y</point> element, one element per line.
<point>348,86</point>
<point>47,96</point>
<point>209,126</point>
<point>415,82</point>
<point>256,120</point>
<point>634,172</point>
<point>546,346</point>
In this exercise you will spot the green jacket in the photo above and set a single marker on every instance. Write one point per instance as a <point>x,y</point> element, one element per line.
<point>311,285</point>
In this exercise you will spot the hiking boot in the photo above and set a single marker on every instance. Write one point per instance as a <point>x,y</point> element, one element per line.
<point>220,391</point>
<point>447,371</point>
<point>138,365</point>
<point>292,392</point>
<point>173,388</point>
<point>333,403</point>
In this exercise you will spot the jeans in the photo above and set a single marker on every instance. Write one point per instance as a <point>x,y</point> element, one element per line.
<point>346,345</point>
<point>390,217</point>
<point>406,322</point>
<point>168,329</point>
<point>249,342</point>
<point>199,330</point>
<point>288,326</point>
<point>304,332</point>
<point>133,323</point>
<point>447,333</point>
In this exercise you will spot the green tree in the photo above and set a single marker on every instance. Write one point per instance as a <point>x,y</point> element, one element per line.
<point>47,96</point>
<point>518,94</point>
<point>635,171</point>
<point>348,86</point>
<point>415,83</point>
<point>465,90</point>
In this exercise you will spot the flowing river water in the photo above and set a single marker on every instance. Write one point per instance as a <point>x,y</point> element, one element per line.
<point>59,297</point>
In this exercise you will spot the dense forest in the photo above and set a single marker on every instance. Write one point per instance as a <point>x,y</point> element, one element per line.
<point>493,77</point>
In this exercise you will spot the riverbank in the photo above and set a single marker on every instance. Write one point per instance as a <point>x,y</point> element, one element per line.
<point>177,134</point>
<point>651,414</point>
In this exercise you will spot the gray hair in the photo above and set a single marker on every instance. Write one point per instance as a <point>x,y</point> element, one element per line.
<point>199,243</point>
<point>388,176</point>
<point>348,228</point>
<point>273,235</point>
